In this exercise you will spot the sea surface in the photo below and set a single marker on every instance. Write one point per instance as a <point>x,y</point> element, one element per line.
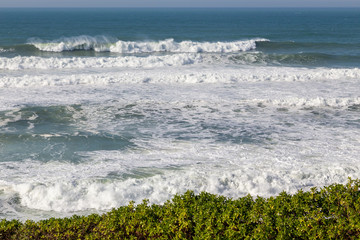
<point>99,107</point>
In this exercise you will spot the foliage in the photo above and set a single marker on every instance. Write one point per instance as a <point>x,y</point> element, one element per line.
<point>332,212</point>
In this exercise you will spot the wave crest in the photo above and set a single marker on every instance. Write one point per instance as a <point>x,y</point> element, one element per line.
<point>169,45</point>
<point>107,44</point>
<point>98,44</point>
<point>3,50</point>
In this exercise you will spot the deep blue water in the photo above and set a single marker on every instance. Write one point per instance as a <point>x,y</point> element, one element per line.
<point>301,25</point>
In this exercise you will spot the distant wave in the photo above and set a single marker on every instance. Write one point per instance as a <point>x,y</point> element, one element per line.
<point>106,44</point>
<point>98,43</point>
<point>169,45</point>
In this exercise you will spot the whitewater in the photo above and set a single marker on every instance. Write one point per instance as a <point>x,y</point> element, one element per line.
<point>103,44</point>
<point>92,122</point>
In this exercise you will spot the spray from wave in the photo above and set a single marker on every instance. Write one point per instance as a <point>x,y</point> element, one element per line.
<point>97,43</point>
<point>3,50</point>
<point>108,44</point>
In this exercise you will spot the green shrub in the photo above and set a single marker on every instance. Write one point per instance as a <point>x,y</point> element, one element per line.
<point>332,212</point>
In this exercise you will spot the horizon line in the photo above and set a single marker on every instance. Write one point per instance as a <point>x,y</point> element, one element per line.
<point>184,7</point>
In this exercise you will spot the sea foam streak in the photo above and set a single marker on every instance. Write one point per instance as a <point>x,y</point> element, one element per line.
<point>104,44</point>
<point>180,75</point>
<point>18,63</point>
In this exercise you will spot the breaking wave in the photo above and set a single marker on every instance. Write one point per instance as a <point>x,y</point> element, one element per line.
<point>107,44</point>
<point>3,50</point>
<point>75,189</point>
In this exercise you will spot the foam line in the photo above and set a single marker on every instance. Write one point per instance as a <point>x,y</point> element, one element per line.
<point>18,63</point>
<point>180,75</point>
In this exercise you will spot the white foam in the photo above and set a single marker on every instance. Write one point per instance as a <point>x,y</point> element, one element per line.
<point>169,45</point>
<point>2,50</point>
<point>303,155</point>
<point>310,102</point>
<point>175,96</point>
<point>105,44</point>
<point>18,63</point>
<point>180,75</point>
<point>230,170</point>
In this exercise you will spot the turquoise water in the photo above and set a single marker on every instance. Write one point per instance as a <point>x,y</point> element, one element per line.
<point>99,107</point>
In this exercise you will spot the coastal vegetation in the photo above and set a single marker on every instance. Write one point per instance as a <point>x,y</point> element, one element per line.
<point>331,212</point>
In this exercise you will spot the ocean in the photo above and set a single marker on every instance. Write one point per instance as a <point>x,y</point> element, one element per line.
<point>100,107</point>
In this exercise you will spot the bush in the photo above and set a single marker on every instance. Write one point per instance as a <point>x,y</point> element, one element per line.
<point>332,212</point>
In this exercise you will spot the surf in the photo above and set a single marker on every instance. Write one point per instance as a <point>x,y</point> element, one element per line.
<point>107,44</point>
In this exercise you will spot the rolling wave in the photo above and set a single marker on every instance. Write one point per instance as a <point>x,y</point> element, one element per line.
<point>106,44</point>
<point>111,44</point>
<point>272,53</point>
